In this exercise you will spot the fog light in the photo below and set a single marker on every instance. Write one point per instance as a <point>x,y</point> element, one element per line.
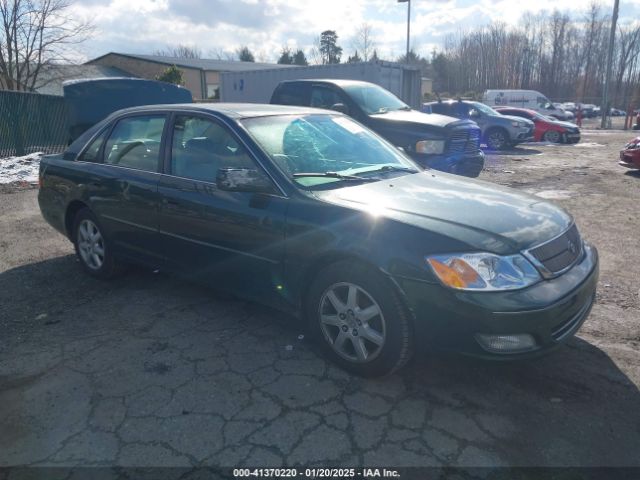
<point>506,343</point>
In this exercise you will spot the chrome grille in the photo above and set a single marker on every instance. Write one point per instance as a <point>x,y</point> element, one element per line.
<point>464,140</point>
<point>560,253</point>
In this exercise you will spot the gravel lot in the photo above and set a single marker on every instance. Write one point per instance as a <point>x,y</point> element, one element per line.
<point>151,371</point>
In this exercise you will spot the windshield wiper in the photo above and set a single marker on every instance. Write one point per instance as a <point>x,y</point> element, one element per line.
<point>406,107</point>
<point>337,175</point>
<point>392,168</point>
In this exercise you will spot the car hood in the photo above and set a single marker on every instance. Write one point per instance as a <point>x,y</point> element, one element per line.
<point>565,124</point>
<point>414,116</point>
<point>483,215</point>
<point>526,121</point>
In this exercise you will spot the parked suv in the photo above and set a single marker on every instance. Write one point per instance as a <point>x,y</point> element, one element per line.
<point>499,132</point>
<point>434,141</point>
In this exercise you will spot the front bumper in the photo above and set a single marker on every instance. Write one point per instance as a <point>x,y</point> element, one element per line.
<point>550,311</point>
<point>628,160</point>
<point>522,135</point>
<point>572,137</point>
<point>467,165</point>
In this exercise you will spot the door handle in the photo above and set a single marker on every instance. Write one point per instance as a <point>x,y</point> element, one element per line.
<point>168,201</point>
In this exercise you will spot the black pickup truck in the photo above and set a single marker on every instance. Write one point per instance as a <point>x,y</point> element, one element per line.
<point>435,141</point>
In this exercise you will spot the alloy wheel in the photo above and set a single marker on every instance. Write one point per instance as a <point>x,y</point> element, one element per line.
<point>552,136</point>
<point>352,322</point>
<point>497,140</point>
<point>90,244</point>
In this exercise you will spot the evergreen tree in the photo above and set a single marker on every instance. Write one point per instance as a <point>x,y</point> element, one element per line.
<point>299,58</point>
<point>330,52</point>
<point>245,55</point>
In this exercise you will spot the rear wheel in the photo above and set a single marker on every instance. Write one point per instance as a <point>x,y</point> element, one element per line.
<point>359,320</point>
<point>92,247</point>
<point>552,136</point>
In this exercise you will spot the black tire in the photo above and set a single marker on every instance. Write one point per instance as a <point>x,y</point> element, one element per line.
<point>497,139</point>
<point>397,340</point>
<point>109,266</point>
<point>552,136</point>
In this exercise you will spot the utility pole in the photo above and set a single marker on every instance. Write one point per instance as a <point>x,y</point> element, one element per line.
<point>408,2</point>
<point>605,92</point>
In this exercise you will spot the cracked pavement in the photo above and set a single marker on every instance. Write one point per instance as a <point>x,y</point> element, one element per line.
<point>149,370</point>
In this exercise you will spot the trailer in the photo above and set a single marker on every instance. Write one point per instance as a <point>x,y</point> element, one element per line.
<point>91,100</point>
<point>256,86</point>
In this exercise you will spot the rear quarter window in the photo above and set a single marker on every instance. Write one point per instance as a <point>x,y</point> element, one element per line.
<point>92,152</point>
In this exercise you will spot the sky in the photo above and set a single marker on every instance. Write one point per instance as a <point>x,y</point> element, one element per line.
<point>265,26</point>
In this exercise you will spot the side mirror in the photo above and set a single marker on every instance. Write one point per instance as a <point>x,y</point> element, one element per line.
<point>340,107</point>
<point>243,180</point>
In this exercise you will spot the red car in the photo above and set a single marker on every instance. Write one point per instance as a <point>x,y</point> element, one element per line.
<point>546,128</point>
<point>630,156</point>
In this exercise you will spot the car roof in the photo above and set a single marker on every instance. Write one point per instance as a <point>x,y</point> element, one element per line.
<point>231,110</point>
<point>451,102</point>
<point>516,109</point>
<point>334,81</point>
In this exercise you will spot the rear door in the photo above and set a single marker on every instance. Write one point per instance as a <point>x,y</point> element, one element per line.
<point>234,240</point>
<point>123,187</point>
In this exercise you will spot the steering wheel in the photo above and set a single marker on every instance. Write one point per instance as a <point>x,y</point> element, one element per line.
<point>127,149</point>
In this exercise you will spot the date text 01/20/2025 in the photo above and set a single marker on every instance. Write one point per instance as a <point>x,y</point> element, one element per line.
<point>316,473</point>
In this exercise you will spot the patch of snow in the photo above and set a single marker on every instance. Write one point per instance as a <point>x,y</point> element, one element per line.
<point>588,145</point>
<point>554,194</point>
<point>20,169</point>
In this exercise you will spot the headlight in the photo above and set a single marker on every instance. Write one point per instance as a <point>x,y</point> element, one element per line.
<point>518,124</point>
<point>483,271</point>
<point>430,146</point>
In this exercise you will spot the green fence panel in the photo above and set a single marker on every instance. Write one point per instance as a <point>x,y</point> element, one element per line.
<point>30,122</point>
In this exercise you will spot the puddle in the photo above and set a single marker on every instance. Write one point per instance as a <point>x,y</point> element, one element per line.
<point>554,194</point>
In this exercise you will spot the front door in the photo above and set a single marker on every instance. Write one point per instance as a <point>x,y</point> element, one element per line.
<point>233,240</point>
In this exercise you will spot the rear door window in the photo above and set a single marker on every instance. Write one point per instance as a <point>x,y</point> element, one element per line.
<point>440,108</point>
<point>461,110</point>
<point>135,143</point>
<point>292,94</point>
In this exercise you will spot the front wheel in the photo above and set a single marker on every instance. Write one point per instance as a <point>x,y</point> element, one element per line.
<point>92,247</point>
<point>497,140</point>
<point>552,136</point>
<point>359,320</point>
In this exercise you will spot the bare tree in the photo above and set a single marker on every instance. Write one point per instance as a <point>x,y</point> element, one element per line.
<point>33,34</point>
<point>314,53</point>
<point>220,54</point>
<point>180,51</point>
<point>363,41</point>
<point>554,53</point>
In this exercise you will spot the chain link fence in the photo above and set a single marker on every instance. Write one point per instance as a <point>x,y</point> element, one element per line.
<point>30,122</point>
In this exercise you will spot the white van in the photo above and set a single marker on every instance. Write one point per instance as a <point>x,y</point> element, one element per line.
<point>523,99</point>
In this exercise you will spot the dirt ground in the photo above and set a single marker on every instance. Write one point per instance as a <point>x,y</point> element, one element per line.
<point>150,370</point>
